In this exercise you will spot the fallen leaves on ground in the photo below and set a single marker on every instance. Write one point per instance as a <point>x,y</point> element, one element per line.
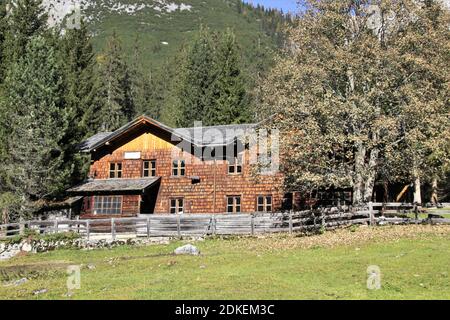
<point>347,237</point>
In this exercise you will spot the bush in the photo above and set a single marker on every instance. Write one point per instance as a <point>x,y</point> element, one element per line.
<point>60,236</point>
<point>33,235</point>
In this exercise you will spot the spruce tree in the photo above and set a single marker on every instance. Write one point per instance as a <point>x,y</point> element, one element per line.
<point>38,121</point>
<point>155,88</point>
<point>80,93</point>
<point>194,91</point>
<point>142,86</point>
<point>27,18</point>
<point>117,108</point>
<point>3,28</point>
<point>230,104</point>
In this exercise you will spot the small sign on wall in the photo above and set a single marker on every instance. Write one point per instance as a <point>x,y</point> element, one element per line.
<point>132,155</point>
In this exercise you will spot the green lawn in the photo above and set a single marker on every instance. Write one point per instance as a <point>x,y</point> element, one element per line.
<point>414,262</point>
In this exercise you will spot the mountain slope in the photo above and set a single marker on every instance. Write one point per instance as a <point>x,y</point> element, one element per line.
<point>161,26</point>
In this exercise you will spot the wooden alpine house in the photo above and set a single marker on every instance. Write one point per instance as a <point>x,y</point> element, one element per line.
<point>146,167</point>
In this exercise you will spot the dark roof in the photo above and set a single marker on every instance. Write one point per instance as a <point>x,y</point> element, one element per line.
<point>92,141</point>
<point>47,205</point>
<point>214,135</point>
<point>218,135</point>
<point>110,185</point>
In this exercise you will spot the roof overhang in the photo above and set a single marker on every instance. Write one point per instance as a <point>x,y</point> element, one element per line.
<point>177,135</point>
<point>113,186</point>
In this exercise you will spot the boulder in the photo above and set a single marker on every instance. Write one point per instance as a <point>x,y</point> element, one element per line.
<point>26,247</point>
<point>36,292</point>
<point>8,254</point>
<point>20,281</point>
<point>187,249</point>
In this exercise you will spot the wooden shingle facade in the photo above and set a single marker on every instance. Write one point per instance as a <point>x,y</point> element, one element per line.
<point>146,167</point>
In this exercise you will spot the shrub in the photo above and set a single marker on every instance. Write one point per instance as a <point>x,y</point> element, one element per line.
<point>33,235</point>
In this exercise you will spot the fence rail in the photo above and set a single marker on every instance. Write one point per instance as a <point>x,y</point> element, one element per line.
<point>224,224</point>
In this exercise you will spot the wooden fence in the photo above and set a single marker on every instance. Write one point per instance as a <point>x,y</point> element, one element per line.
<point>224,224</point>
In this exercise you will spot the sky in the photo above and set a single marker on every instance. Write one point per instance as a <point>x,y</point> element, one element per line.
<point>286,5</point>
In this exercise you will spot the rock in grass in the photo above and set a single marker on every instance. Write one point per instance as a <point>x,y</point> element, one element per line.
<point>20,281</point>
<point>26,247</point>
<point>187,249</point>
<point>36,292</point>
<point>8,254</point>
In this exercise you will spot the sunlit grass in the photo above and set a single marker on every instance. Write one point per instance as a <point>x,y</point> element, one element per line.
<point>414,263</point>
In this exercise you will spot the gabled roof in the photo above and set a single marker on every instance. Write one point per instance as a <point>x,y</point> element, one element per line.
<point>111,185</point>
<point>216,135</point>
<point>92,141</point>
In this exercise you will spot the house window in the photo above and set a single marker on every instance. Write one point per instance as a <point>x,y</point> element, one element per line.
<point>176,205</point>
<point>235,166</point>
<point>115,170</point>
<point>233,204</point>
<point>264,204</point>
<point>149,168</point>
<point>178,168</point>
<point>107,205</point>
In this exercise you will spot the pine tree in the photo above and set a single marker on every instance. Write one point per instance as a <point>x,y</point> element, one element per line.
<point>3,28</point>
<point>80,93</point>
<point>230,103</point>
<point>27,18</point>
<point>166,83</point>
<point>143,86</point>
<point>194,92</point>
<point>24,20</point>
<point>117,108</point>
<point>38,121</point>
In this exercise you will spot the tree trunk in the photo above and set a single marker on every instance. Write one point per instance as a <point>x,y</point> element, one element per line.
<point>386,191</point>
<point>417,193</point>
<point>371,171</point>
<point>358,183</point>
<point>371,176</point>
<point>434,191</point>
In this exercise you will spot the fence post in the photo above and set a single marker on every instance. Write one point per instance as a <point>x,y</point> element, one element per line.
<point>315,220</point>
<point>21,226</point>
<point>55,226</point>
<point>113,229</point>
<point>291,224</point>
<point>78,224</point>
<point>213,224</point>
<point>178,226</point>
<point>88,224</point>
<point>322,217</point>
<point>416,212</point>
<point>252,224</point>
<point>148,227</point>
<point>371,214</point>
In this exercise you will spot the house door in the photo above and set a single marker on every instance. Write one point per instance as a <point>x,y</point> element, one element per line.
<point>149,199</point>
